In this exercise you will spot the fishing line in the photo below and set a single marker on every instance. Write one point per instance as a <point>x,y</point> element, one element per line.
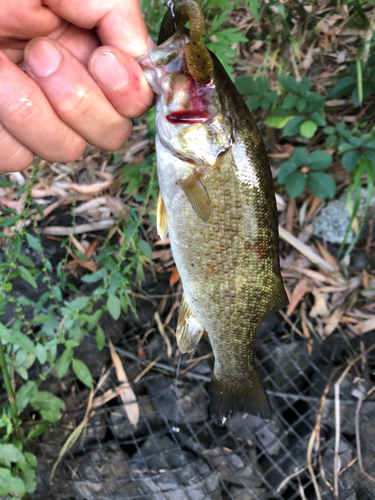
<point>178,406</point>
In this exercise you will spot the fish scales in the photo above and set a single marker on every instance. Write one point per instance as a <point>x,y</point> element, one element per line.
<point>218,206</point>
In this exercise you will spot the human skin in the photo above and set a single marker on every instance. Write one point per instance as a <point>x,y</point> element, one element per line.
<point>68,76</point>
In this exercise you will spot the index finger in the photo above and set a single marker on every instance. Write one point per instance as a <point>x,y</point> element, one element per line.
<point>119,23</point>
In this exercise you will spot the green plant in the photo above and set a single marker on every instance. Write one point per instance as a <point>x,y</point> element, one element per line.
<point>357,148</point>
<point>49,329</point>
<point>305,169</point>
<point>300,111</point>
<point>257,91</point>
<point>359,82</point>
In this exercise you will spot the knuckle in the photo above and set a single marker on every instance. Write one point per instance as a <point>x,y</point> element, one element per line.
<point>75,105</point>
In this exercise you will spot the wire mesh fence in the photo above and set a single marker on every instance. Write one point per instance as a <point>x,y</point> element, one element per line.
<point>176,452</point>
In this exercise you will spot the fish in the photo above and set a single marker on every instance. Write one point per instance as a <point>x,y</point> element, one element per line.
<point>217,204</point>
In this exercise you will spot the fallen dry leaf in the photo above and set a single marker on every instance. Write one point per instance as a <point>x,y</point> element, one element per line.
<point>299,291</point>
<point>332,322</point>
<point>320,307</point>
<point>95,188</point>
<point>365,326</point>
<point>127,394</point>
<point>175,277</point>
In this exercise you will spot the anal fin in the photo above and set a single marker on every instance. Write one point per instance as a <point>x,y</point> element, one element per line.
<point>189,328</point>
<point>197,194</point>
<point>161,218</point>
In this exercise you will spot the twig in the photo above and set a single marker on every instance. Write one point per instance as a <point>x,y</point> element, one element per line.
<point>305,250</point>
<point>291,324</point>
<point>337,413</point>
<point>358,439</point>
<point>145,370</point>
<point>287,479</point>
<point>316,432</point>
<point>336,464</point>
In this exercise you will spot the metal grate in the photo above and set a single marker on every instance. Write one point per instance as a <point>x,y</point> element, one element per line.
<point>177,453</point>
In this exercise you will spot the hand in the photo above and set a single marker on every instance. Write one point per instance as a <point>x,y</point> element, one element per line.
<point>80,80</point>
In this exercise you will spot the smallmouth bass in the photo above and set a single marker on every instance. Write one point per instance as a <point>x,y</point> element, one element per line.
<point>217,204</point>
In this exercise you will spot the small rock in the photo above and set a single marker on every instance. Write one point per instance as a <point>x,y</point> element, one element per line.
<point>332,222</point>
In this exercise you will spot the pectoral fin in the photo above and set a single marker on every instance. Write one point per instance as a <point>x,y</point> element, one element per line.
<point>197,194</point>
<point>161,218</point>
<point>189,328</point>
<point>279,298</point>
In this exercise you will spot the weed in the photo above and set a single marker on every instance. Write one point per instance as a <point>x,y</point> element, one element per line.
<point>305,169</point>
<point>257,91</point>
<point>300,111</point>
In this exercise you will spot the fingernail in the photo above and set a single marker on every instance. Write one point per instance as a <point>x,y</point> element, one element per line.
<point>150,42</point>
<point>43,58</point>
<point>109,71</point>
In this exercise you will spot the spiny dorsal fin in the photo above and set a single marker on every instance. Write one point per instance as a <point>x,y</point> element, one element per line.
<point>161,218</point>
<point>189,328</point>
<point>197,194</point>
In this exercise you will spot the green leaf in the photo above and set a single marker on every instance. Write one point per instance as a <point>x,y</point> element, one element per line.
<point>350,160</point>
<point>24,395</point>
<point>94,277</point>
<point>79,303</point>
<point>300,156</point>
<point>304,86</point>
<point>6,334</point>
<point>41,353</point>
<point>37,430</point>
<point>31,459</point>
<point>100,338</point>
<point>293,125</point>
<point>344,147</point>
<point>286,169</point>
<point>34,242</point>
<point>64,362</point>
<point>319,160</point>
<point>244,84</point>
<point>4,183</point>
<point>327,130</point>
<point>82,372</point>
<point>290,101</point>
<point>288,83</point>
<point>320,120</point>
<point>321,185</point>
<point>308,129</point>
<point>145,248</point>
<point>48,404</point>
<point>301,105</point>
<point>10,221</point>
<point>278,118</point>
<point>26,275</point>
<point>114,306</point>
<point>29,478</point>
<point>19,338</point>
<point>41,319</point>
<point>56,290</point>
<point>11,453</point>
<point>343,87</point>
<point>25,260</point>
<point>295,184</point>
<point>10,484</point>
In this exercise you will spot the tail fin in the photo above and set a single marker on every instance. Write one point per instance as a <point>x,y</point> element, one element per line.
<point>230,395</point>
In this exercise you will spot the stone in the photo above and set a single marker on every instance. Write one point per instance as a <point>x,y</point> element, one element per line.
<point>332,222</point>
<point>270,435</point>
<point>164,472</point>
